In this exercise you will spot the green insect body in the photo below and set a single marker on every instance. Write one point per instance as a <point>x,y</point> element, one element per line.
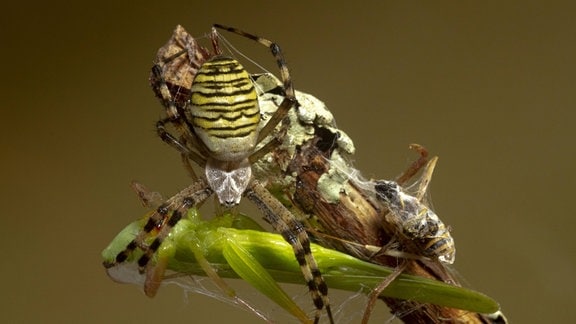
<point>238,248</point>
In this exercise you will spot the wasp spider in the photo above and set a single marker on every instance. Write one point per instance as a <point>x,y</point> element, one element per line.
<point>211,101</point>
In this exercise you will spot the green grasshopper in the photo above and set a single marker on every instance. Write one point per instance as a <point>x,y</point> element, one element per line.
<point>234,246</point>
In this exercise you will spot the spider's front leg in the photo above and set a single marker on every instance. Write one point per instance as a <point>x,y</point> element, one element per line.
<point>295,234</point>
<point>166,216</point>
<point>181,145</point>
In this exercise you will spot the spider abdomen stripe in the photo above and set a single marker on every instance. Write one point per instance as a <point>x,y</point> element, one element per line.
<point>224,108</point>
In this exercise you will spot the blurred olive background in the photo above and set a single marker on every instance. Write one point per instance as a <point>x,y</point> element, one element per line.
<point>489,87</point>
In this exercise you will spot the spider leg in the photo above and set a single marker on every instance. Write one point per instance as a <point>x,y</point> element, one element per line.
<point>258,154</point>
<point>295,234</point>
<point>188,166</point>
<point>163,220</point>
<point>181,146</point>
<point>186,159</point>
<point>184,200</point>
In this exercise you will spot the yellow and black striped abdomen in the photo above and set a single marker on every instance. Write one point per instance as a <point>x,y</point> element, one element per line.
<point>224,109</point>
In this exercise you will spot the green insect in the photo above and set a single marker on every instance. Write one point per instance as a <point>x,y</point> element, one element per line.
<point>234,246</point>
